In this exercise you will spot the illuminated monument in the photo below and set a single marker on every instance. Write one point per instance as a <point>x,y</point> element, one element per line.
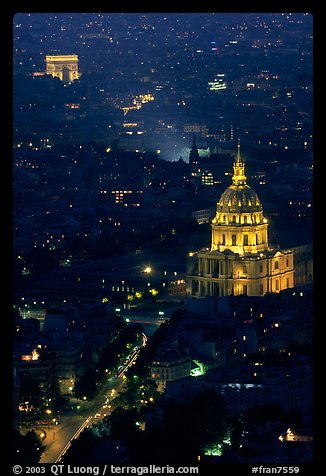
<point>240,260</point>
<point>64,67</point>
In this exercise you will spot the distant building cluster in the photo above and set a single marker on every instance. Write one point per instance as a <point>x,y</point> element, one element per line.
<point>135,204</point>
<point>61,346</point>
<point>217,336</point>
<point>136,90</point>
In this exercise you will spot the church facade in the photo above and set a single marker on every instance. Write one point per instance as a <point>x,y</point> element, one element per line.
<point>240,259</point>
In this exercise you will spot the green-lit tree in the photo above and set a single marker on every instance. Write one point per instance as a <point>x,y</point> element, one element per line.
<point>103,427</point>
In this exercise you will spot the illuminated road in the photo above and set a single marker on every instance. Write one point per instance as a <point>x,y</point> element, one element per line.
<point>62,437</point>
<point>147,320</point>
<point>71,426</point>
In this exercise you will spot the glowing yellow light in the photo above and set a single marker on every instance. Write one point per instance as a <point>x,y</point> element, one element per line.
<point>148,270</point>
<point>35,355</point>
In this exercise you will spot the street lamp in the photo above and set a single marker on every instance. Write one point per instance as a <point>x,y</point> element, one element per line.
<point>148,270</point>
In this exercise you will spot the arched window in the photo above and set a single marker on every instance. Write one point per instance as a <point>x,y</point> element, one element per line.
<point>234,218</point>
<point>245,219</point>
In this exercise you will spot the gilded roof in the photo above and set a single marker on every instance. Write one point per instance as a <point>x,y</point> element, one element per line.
<point>239,199</point>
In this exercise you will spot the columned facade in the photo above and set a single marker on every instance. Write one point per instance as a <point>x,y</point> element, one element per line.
<point>240,260</point>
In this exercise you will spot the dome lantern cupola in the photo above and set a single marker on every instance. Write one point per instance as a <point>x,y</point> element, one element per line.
<point>240,260</point>
<point>239,177</point>
<point>239,224</point>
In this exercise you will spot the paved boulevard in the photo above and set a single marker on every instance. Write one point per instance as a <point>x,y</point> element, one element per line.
<point>60,437</point>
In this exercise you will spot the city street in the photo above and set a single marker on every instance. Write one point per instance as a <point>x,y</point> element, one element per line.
<point>58,439</point>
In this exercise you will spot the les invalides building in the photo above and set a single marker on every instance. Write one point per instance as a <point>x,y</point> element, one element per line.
<point>240,259</point>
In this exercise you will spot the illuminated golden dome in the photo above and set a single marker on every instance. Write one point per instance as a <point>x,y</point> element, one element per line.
<point>239,197</point>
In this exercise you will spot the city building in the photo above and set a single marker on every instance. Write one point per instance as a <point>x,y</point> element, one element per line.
<point>240,259</point>
<point>33,368</point>
<point>172,364</point>
<point>70,342</point>
<point>194,154</point>
<point>204,216</point>
<point>244,387</point>
<point>64,67</point>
